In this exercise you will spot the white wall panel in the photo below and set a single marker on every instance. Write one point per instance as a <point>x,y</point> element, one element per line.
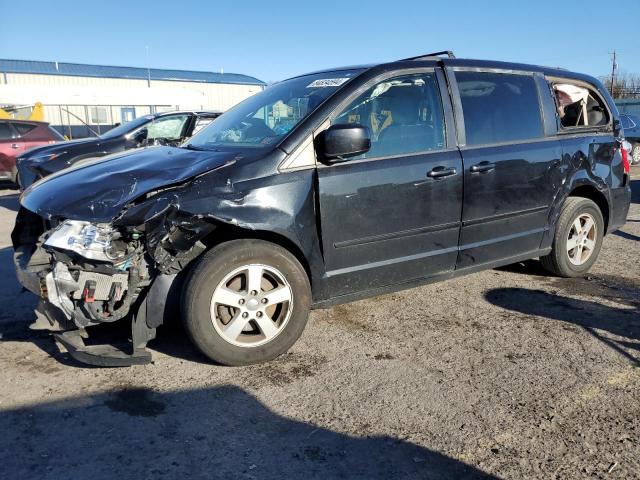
<point>212,96</point>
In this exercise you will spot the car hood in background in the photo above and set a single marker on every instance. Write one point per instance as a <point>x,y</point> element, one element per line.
<point>58,147</point>
<point>99,190</point>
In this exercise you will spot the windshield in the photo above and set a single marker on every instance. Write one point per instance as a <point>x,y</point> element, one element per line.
<point>265,118</point>
<point>126,127</point>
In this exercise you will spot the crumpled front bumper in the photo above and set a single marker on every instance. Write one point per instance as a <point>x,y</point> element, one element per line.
<point>48,315</point>
<point>58,290</point>
<point>77,293</point>
<point>52,281</point>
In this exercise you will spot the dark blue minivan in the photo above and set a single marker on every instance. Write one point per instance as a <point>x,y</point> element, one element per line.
<point>323,189</point>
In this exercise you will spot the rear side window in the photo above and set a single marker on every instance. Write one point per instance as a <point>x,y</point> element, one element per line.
<point>499,107</point>
<point>579,106</point>
<point>5,131</point>
<point>23,128</point>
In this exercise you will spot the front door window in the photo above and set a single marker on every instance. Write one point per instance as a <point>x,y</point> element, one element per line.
<point>404,114</point>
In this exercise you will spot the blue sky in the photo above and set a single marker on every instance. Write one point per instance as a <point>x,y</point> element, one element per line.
<point>273,40</point>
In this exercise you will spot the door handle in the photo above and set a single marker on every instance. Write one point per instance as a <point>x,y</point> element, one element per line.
<point>440,172</point>
<point>15,146</point>
<point>483,167</point>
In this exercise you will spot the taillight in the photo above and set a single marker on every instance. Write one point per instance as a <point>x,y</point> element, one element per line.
<point>625,160</point>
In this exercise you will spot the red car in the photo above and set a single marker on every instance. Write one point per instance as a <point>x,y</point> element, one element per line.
<point>18,136</point>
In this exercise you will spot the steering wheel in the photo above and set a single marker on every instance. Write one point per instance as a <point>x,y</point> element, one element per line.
<point>257,128</point>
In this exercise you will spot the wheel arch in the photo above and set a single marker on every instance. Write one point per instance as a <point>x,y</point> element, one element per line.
<point>596,196</point>
<point>167,291</point>
<point>226,232</point>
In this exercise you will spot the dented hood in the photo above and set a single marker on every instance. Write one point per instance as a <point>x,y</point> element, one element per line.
<point>97,191</point>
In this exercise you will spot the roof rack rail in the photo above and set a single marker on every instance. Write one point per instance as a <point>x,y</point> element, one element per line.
<point>448,53</point>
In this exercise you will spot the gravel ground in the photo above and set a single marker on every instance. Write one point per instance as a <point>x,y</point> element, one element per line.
<point>507,373</point>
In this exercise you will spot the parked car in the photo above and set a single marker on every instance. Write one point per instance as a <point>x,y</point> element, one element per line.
<point>323,189</point>
<point>169,128</point>
<point>18,136</point>
<point>631,125</point>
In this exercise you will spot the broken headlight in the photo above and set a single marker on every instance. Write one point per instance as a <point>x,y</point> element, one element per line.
<point>86,239</point>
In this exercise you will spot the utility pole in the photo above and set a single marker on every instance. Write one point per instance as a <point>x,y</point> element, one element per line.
<point>148,68</point>
<point>614,66</point>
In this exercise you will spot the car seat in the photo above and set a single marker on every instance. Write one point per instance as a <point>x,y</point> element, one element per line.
<point>406,133</point>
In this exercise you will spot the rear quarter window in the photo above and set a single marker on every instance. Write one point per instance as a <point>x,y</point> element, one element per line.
<point>578,105</point>
<point>499,107</point>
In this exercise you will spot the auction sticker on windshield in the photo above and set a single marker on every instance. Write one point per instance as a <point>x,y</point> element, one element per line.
<point>327,82</point>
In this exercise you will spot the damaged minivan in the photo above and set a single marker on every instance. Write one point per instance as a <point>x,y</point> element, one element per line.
<point>323,189</point>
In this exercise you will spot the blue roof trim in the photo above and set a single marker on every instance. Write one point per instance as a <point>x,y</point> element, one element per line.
<point>104,71</point>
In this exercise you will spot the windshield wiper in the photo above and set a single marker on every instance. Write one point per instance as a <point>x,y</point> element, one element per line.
<point>193,147</point>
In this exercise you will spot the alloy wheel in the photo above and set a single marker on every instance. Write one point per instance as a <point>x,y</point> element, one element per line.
<point>581,240</point>
<point>251,305</point>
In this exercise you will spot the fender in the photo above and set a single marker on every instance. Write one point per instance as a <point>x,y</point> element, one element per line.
<point>578,175</point>
<point>183,222</point>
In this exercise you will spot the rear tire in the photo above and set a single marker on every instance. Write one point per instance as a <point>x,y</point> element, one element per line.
<point>577,240</point>
<point>245,302</point>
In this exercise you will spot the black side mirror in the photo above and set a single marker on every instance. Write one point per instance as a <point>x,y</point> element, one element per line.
<point>341,141</point>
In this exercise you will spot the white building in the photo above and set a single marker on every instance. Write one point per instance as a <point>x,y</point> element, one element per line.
<point>76,94</point>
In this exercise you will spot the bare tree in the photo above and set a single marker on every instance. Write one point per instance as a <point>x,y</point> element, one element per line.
<point>626,85</point>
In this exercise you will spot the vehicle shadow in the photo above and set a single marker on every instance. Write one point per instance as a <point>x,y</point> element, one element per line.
<point>171,339</point>
<point>527,267</point>
<point>221,432</point>
<point>593,317</point>
<point>625,235</point>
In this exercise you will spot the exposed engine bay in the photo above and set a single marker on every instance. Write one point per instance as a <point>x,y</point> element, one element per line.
<point>104,293</point>
<point>88,274</point>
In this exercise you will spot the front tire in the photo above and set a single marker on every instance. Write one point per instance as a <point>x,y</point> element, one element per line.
<point>578,238</point>
<point>245,302</point>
